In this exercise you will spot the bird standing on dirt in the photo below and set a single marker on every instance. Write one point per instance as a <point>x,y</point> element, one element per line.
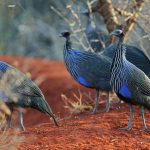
<point>98,41</point>
<point>98,38</point>
<point>18,91</point>
<point>129,82</point>
<point>87,68</point>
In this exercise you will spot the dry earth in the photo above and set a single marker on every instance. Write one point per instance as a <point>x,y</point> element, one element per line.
<point>79,131</point>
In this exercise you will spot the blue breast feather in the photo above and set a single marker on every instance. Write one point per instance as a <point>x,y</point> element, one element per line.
<point>75,53</point>
<point>125,92</point>
<point>82,81</point>
<point>3,67</point>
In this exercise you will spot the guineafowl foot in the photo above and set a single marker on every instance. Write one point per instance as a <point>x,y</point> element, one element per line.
<point>94,111</point>
<point>146,130</point>
<point>106,109</point>
<point>127,128</point>
<point>22,128</point>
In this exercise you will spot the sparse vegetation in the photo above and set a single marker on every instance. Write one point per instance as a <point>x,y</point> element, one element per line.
<point>77,105</point>
<point>9,140</point>
<point>31,28</point>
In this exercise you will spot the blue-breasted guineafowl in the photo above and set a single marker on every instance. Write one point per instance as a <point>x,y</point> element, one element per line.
<point>129,82</point>
<point>17,90</point>
<point>133,54</point>
<point>96,37</point>
<point>88,68</point>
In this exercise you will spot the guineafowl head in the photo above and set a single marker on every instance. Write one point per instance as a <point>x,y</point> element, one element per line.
<point>65,34</point>
<point>40,105</point>
<point>118,33</point>
<point>86,12</point>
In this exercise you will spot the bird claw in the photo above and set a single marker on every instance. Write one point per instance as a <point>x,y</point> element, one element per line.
<point>146,130</point>
<point>105,110</point>
<point>22,128</point>
<point>94,111</point>
<point>127,128</point>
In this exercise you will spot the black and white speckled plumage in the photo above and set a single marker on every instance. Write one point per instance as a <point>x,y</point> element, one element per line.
<point>130,83</point>
<point>133,54</point>
<point>87,68</point>
<point>17,90</point>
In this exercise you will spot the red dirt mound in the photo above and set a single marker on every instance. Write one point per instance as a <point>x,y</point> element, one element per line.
<point>79,132</point>
<point>90,132</point>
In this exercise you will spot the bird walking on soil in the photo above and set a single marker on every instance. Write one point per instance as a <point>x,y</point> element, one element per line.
<point>129,82</point>
<point>88,69</point>
<point>96,38</point>
<point>18,91</point>
<point>98,41</point>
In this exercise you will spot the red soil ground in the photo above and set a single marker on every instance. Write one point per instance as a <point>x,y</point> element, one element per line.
<point>75,132</point>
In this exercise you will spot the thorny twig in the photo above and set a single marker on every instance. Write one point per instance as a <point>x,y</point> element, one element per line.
<point>71,25</point>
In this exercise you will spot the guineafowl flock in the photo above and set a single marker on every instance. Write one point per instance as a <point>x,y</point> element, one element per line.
<point>118,67</point>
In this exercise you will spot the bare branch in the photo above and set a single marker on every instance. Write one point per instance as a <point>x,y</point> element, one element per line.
<point>123,12</point>
<point>106,10</point>
<point>138,7</point>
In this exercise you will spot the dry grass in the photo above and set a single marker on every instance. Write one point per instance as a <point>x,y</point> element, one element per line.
<point>77,104</point>
<point>9,138</point>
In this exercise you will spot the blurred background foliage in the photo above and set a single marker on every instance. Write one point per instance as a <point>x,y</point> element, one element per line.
<point>31,27</point>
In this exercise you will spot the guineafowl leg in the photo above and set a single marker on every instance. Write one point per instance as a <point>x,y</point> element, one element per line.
<point>130,119</point>
<point>107,103</point>
<point>96,102</point>
<point>143,119</point>
<point>21,121</point>
<point>9,120</point>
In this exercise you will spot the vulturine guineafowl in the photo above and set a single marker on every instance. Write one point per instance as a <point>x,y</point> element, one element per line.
<point>99,43</point>
<point>96,37</point>
<point>129,82</point>
<point>88,68</point>
<point>133,54</point>
<point>17,90</point>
